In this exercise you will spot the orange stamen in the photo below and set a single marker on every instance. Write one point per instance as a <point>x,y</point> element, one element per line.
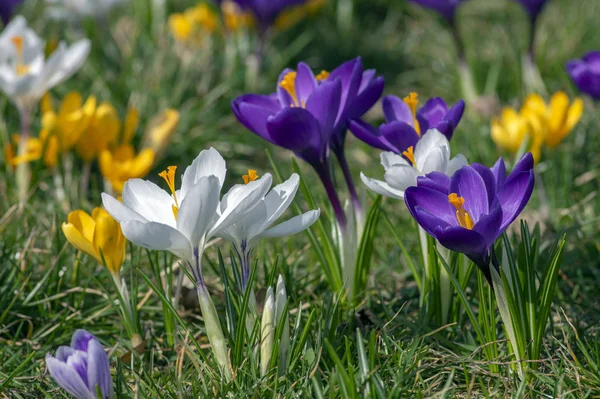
<point>463,217</point>
<point>412,101</point>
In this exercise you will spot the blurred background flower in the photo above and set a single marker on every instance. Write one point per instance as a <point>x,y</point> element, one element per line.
<point>585,73</point>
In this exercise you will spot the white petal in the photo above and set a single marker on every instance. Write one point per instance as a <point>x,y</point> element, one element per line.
<point>455,164</point>
<point>279,199</point>
<point>159,237</point>
<point>120,212</point>
<point>198,209</point>
<point>400,177</point>
<point>430,140</point>
<point>208,162</point>
<point>68,378</point>
<point>71,61</point>
<point>389,159</point>
<point>241,200</point>
<point>381,187</point>
<point>150,201</point>
<point>292,226</point>
<point>436,161</point>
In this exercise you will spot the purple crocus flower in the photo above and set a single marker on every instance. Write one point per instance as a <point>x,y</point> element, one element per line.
<point>586,74</point>
<point>266,11</point>
<point>82,367</point>
<point>405,125</point>
<point>469,211</point>
<point>6,9</point>
<point>533,7</point>
<point>447,8</point>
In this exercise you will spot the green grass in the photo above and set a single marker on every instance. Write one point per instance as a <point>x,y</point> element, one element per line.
<point>383,348</point>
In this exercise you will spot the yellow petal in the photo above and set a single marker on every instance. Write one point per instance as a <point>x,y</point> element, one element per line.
<point>181,28</point>
<point>71,103</point>
<point>161,128</point>
<point>142,163</point>
<point>535,103</point>
<point>79,241</point>
<point>46,104</point>
<point>559,104</point>
<point>501,137</point>
<point>108,241</point>
<point>83,222</point>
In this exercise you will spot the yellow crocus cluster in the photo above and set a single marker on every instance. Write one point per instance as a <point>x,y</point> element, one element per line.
<point>98,235</point>
<point>540,123</point>
<point>194,25</point>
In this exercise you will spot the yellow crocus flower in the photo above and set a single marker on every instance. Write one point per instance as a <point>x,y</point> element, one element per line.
<point>102,131</point>
<point>98,235</point>
<point>159,131</point>
<point>560,115</point>
<point>46,145</point>
<point>234,18</point>
<point>509,131</point>
<point>71,121</point>
<point>194,24</point>
<point>121,164</point>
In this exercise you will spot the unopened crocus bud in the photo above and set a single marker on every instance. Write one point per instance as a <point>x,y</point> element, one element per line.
<point>267,334</point>
<point>82,369</point>
<point>280,317</point>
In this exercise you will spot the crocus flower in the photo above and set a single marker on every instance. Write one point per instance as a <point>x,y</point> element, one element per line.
<point>431,154</point>
<point>470,210</point>
<point>98,235</point>
<point>6,9</point>
<point>404,124</point>
<point>194,24</point>
<point>121,164</point>
<point>513,127</point>
<point>25,74</point>
<point>585,73</point>
<point>82,368</point>
<point>266,12</point>
<point>44,147</point>
<point>103,131</point>
<point>560,115</point>
<point>447,8</point>
<point>245,233</point>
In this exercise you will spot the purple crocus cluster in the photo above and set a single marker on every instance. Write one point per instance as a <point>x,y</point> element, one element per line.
<point>470,210</point>
<point>585,73</point>
<point>82,369</point>
<point>405,124</point>
<point>308,115</point>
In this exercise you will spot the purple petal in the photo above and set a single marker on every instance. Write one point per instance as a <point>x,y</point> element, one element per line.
<point>467,183</point>
<point>253,111</point>
<point>432,113</point>
<point>324,104</point>
<point>63,353</point>
<point>68,379</point>
<point>451,120</point>
<point>429,222</point>
<point>81,339</point>
<point>499,172</point>
<point>489,226</point>
<point>79,362</point>
<point>284,97</point>
<point>297,130</point>
<point>432,201</point>
<point>306,82</point>
<point>350,74</point>
<point>400,134</point>
<point>98,369</point>
<point>366,99</point>
<point>395,109</point>
<point>370,135</point>
<point>525,164</point>
<point>436,181</point>
<point>514,196</point>
<point>593,60</point>
<point>459,239</point>
<point>367,78</point>
<point>489,179</point>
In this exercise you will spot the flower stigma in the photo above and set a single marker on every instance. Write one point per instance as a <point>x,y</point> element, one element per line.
<point>22,69</point>
<point>251,176</point>
<point>288,83</point>
<point>169,176</point>
<point>412,101</point>
<point>463,217</point>
<point>410,155</point>
<point>322,75</point>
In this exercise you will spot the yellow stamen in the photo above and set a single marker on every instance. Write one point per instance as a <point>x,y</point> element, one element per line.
<point>288,83</point>
<point>463,217</point>
<point>251,176</point>
<point>410,154</point>
<point>322,76</point>
<point>412,101</point>
<point>17,41</point>
<point>169,176</point>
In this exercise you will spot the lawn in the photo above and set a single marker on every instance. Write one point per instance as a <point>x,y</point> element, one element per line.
<point>384,326</point>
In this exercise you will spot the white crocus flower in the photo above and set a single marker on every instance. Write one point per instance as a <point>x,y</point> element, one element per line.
<point>25,73</point>
<point>431,154</point>
<point>183,220</point>
<point>75,9</point>
<point>245,233</point>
